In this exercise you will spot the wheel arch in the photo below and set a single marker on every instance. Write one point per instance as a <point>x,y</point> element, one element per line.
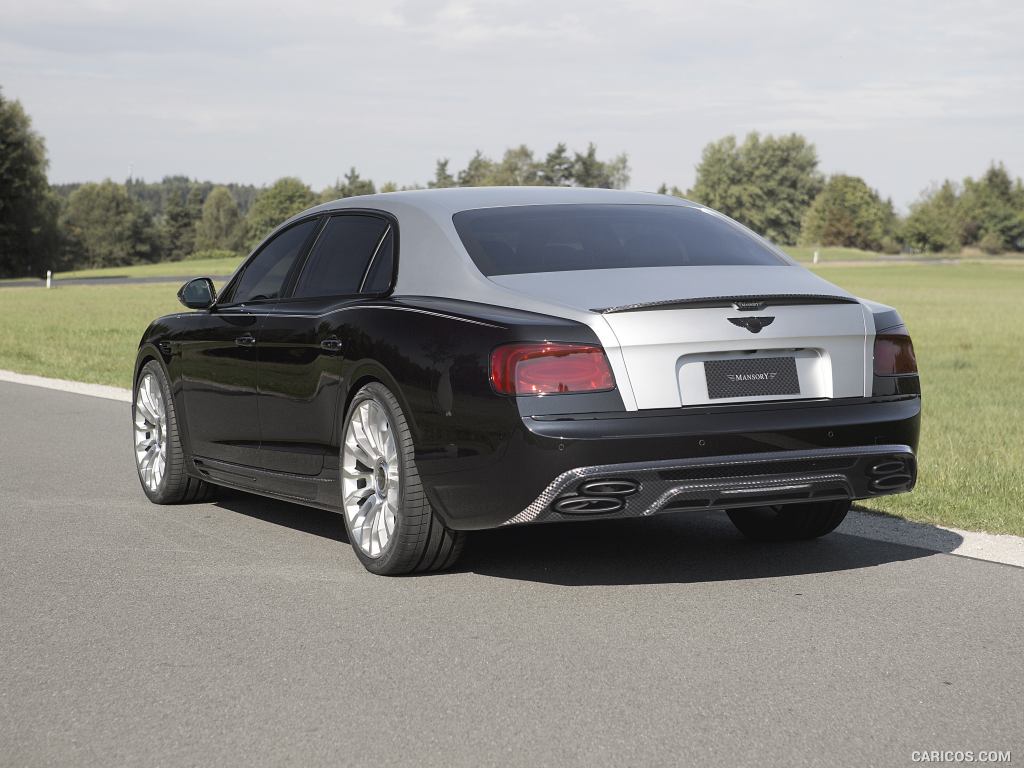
<point>146,353</point>
<point>365,372</point>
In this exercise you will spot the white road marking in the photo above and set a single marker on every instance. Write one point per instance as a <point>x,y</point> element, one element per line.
<point>75,387</point>
<point>993,547</point>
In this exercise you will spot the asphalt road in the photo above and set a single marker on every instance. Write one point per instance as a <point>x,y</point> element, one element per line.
<point>245,632</point>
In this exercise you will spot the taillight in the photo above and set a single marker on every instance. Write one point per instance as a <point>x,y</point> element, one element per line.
<point>549,368</point>
<point>894,353</point>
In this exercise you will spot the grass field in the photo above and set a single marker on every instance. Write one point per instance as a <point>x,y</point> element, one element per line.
<point>806,253</point>
<point>195,268</point>
<point>201,267</point>
<point>218,267</point>
<point>967,321</point>
<point>81,332</point>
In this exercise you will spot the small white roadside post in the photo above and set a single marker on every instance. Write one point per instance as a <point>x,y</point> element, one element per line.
<point>815,257</point>
<point>49,277</point>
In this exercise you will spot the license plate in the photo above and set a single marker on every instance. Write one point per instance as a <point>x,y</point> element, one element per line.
<point>752,377</point>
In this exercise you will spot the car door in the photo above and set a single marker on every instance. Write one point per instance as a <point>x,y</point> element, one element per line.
<point>219,356</point>
<point>302,344</point>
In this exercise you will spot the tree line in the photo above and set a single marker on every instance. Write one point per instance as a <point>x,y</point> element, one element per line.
<point>771,184</point>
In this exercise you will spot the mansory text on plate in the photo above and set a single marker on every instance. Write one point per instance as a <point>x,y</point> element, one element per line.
<point>431,362</point>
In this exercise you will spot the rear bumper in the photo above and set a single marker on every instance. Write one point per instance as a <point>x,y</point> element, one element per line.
<point>779,477</point>
<point>715,457</point>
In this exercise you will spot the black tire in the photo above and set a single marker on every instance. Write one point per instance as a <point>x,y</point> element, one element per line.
<point>790,522</point>
<point>175,487</point>
<point>420,541</point>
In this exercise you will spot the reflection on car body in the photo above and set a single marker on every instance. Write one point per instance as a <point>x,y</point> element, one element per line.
<point>429,363</point>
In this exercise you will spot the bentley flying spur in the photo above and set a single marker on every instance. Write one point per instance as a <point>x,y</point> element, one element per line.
<point>429,363</point>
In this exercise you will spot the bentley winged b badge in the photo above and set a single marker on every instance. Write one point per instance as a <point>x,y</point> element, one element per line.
<point>752,324</point>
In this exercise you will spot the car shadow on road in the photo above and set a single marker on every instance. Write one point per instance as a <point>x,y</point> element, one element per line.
<point>318,522</point>
<point>684,547</point>
<point>672,548</point>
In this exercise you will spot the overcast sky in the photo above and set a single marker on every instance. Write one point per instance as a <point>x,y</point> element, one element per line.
<point>901,93</point>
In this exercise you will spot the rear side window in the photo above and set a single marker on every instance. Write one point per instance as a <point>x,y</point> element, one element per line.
<point>564,238</point>
<point>378,278</point>
<point>338,262</point>
<point>264,277</point>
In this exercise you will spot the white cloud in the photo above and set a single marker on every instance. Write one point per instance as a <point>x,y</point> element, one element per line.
<point>899,92</point>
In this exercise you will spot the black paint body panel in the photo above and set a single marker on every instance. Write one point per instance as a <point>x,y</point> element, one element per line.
<point>279,431</point>
<point>541,448</point>
<point>268,417</point>
<point>219,383</point>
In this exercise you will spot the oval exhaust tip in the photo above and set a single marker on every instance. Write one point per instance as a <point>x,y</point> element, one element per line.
<point>587,505</point>
<point>890,482</point>
<point>889,467</point>
<point>608,487</point>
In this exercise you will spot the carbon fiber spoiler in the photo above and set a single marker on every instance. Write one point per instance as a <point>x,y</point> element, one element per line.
<point>746,303</point>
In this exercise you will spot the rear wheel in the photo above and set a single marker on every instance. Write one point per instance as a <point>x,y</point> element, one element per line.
<point>159,456</point>
<point>790,521</point>
<point>390,523</point>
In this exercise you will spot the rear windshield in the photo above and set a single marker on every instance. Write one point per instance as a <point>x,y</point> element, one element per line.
<point>566,238</point>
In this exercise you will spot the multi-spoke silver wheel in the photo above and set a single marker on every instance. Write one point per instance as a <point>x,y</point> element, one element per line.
<point>150,432</point>
<point>371,483</point>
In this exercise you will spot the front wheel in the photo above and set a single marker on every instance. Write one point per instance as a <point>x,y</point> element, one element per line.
<point>159,456</point>
<point>390,523</point>
<point>788,522</point>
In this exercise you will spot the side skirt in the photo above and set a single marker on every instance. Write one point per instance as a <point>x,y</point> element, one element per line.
<point>320,491</point>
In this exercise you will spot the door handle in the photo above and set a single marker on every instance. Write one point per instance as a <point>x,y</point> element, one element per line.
<point>248,340</point>
<point>331,344</point>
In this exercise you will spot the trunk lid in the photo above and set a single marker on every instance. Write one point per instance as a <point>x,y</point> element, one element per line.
<point>685,334</point>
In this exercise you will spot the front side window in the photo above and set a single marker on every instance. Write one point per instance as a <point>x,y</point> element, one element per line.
<point>338,262</point>
<point>265,276</point>
<point>561,238</point>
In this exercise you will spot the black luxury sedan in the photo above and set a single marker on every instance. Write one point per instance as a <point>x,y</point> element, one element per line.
<point>432,362</point>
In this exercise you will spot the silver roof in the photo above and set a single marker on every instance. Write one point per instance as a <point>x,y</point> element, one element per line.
<point>434,262</point>
<point>432,258</point>
<point>446,202</point>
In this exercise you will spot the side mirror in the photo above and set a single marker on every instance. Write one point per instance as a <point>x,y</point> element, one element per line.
<point>198,293</point>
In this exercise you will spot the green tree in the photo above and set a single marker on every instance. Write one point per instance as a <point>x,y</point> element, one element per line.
<point>172,190</point>
<point>352,186</point>
<point>992,209</point>
<point>589,171</point>
<point>29,242</point>
<point>245,195</point>
<point>220,226</point>
<point>992,243</point>
<point>931,224</point>
<point>618,171</point>
<point>442,178</point>
<point>105,227</point>
<point>848,213</point>
<point>987,212</point>
<point>278,202</point>
<point>477,172</point>
<point>557,168</point>
<point>194,201</point>
<point>179,229</point>
<point>766,183</point>
<point>516,169</point>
